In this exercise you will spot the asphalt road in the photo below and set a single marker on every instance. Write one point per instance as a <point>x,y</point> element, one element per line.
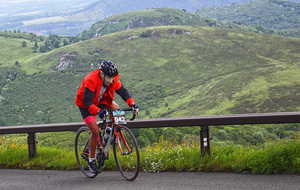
<point>73,180</point>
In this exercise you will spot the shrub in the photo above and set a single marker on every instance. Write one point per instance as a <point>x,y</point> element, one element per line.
<point>145,34</point>
<point>259,136</point>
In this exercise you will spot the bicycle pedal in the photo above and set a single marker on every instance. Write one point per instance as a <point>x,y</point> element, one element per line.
<point>84,157</point>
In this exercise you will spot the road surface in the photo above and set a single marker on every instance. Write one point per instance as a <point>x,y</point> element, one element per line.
<point>75,180</point>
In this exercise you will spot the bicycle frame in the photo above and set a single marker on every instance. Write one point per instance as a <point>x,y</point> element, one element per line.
<point>117,138</point>
<point>106,147</point>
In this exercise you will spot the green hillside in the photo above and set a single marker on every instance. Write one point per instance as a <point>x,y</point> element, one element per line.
<point>171,71</point>
<point>142,18</point>
<point>147,18</point>
<point>273,14</point>
<point>164,17</point>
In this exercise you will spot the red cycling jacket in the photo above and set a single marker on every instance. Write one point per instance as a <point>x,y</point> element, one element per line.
<point>88,93</point>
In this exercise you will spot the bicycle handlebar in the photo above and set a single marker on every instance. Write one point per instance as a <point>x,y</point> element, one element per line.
<point>128,109</point>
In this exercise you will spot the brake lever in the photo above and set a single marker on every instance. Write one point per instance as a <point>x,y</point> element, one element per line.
<point>105,118</point>
<point>133,117</point>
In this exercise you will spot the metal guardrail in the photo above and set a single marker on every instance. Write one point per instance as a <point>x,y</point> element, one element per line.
<point>203,121</point>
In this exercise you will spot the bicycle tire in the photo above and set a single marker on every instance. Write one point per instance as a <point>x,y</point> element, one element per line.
<point>129,162</point>
<point>81,140</point>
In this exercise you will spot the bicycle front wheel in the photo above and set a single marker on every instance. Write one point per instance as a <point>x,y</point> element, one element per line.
<point>126,153</point>
<point>82,151</point>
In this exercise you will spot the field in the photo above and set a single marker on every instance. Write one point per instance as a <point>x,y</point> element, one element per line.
<point>44,21</point>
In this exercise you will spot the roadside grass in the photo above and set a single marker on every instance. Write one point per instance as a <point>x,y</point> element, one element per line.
<point>282,157</point>
<point>13,155</point>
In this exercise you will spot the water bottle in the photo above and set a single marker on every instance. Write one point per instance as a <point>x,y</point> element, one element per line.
<point>106,134</point>
<point>107,140</point>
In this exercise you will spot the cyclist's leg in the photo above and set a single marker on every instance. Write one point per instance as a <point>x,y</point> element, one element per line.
<point>93,140</point>
<point>90,121</point>
<point>92,125</point>
<point>113,106</point>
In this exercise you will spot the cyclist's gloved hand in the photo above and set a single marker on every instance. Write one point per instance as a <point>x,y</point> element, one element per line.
<point>134,108</point>
<point>102,114</point>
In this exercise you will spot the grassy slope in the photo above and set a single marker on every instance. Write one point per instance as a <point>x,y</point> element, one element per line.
<point>207,71</point>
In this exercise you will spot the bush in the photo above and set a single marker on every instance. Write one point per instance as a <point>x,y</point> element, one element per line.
<point>24,44</point>
<point>259,136</point>
<point>222,134</point>
<point>145,34</point>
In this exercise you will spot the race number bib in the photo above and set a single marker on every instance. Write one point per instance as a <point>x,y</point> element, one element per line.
<point>119,117</point>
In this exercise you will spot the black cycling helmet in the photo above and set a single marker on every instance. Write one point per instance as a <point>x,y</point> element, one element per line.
<point>109,68</point>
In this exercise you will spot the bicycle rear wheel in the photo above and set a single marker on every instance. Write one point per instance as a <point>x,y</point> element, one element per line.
<point>82,151</point>
<point>126,153</point>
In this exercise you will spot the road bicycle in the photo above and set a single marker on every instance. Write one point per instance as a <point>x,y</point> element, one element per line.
<point>125,147</point>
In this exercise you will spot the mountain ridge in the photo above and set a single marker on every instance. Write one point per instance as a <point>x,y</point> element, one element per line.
<point>167,16</point>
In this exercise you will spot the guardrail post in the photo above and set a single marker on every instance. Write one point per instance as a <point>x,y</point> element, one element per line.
<point>205,140</point>
<point>31,144</point>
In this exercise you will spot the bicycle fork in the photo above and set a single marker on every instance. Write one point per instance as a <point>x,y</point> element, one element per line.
<point>119,142</point>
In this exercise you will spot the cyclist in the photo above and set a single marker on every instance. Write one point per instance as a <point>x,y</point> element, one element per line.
<point>95,96</point>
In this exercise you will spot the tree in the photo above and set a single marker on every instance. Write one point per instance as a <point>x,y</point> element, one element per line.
<point>24,44</point>
<point>65,42</point>
<point>258,136</point>
<point>35,47</point>
<point>42,48</point>
<point>46,44</point>
<point>36,44</point>
<point>56,44</point>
